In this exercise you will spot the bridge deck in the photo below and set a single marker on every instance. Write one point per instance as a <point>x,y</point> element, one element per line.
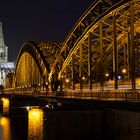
<point>118,95</point>
<point>125,101</point>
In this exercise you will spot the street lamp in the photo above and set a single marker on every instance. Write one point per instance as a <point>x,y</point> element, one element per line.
<point>83,78</point>
<point>119,77</point>
<point>123,70</point>
<point>107,74</point>
<point>67,80</point>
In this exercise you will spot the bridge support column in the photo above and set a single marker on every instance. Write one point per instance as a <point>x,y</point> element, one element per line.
<point>132,47</point>
<point>61,79</point>
<point>6,105</point>
<point>61,84</point>
<point>128,54</point>
<point>89,62</point>
<point>115,54</point>
<point>101,58</point>
<point>73,85</point>
<point>66,79</point>
<point>80,68</point>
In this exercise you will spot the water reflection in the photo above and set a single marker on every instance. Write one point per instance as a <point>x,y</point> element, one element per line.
<point>35,124</point>
<point>4,128</point>
<point>70,125</point>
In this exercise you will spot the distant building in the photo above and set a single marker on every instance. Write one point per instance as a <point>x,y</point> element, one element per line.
<point>5,66</point>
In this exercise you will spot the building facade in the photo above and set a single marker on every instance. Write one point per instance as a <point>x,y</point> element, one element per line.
<point>5,66</point>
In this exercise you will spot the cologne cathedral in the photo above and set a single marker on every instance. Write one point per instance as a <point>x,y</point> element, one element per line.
<point>5,66</point>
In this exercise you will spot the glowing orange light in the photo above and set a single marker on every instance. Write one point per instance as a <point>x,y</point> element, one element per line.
<point>5,124</point>
<point>124,70</point>
<point>83,78</point>
<point>67,80</point>
<point>35,124</point>
<point>5,105</point>
<point>107,74</point>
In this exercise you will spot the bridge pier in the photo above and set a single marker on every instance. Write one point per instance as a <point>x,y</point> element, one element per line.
<point>5,106</point>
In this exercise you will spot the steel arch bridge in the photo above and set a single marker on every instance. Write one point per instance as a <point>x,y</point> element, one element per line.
<point>33,64</point>
<point>102,52</point>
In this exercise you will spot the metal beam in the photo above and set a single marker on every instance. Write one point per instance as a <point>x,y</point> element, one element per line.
<point>73,85</point>
<point>101,57</point>
<point>115,53</point>
<point>132,46</point>
<point>89,62</point>
<point>80,67</point>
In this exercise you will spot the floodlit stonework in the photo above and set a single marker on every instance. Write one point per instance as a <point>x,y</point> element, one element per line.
<point>5,66</point>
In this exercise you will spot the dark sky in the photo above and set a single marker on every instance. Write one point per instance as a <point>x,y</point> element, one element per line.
<point>38,20</point>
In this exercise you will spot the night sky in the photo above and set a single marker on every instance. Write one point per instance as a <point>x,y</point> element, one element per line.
<point>38,20</point>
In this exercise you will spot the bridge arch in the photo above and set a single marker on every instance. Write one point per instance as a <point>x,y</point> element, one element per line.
<point>102,48</point>
<point>33,64</point>
<point>101,52</point>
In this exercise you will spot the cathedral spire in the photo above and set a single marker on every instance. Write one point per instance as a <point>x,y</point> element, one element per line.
<point>3,47</point>
<point>2,44</point>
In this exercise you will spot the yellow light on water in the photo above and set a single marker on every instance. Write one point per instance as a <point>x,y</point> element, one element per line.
<point>35,124</point>
<point>2,121</point>
<point>5,124</point>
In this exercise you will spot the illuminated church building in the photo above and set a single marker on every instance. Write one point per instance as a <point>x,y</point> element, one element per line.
<point>5,66</point>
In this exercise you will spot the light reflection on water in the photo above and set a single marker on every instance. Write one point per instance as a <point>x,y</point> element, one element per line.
<point>35,124</point>
<point>4,128</point>
<point>18,126</point>
<point>71,125</point>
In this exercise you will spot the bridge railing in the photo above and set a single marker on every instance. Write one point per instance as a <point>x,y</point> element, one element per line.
<point>114,95</point>
<point>126,95</point>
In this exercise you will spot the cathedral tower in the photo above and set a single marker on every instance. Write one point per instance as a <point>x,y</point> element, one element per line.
<point>3,47</point>
<point>5,66</point>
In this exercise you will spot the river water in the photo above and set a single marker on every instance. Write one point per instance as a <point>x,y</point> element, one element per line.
<point>98,124</point>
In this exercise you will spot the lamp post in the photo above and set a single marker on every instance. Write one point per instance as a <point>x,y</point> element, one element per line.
<point>83,78</point>
<point>67,82</point>
<point>106,75</point>
<point>124,71</point>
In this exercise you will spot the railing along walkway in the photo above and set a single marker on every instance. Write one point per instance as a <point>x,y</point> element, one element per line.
<point>115,95</point>
<point>133,96</point>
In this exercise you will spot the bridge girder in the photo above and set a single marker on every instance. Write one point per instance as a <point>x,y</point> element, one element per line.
<point>104,27</point>
<point>103,42</point>
<point>34,63</point>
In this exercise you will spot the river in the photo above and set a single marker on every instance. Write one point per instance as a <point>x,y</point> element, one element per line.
<point>95,124</point>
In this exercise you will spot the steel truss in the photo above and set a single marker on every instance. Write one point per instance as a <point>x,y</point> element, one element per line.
<point>33,65</point>
<point>100,53</point>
